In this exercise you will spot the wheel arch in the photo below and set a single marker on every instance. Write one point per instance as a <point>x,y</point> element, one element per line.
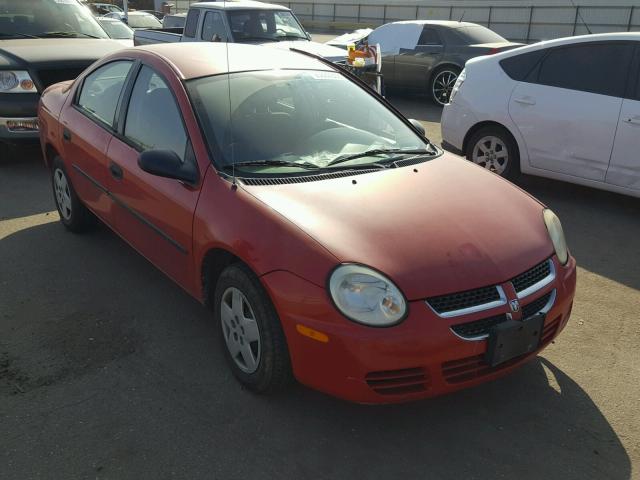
<point>214,261</point>
<point>487,123</point>
<point>50,152</point>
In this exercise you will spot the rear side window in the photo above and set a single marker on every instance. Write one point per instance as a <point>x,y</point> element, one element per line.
<point>596,68</point>
<point>520,66</point>
<point>191,25</point>
<point>429,37</point>
<point>154,121</point>
<point>101,91</point>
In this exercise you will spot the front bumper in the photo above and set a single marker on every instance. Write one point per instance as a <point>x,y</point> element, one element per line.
<point>419,358</point>
<point>456,121</point>
<point>18,109</point>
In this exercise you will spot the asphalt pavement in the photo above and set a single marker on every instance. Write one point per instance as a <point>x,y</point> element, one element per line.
<point>109,370</point>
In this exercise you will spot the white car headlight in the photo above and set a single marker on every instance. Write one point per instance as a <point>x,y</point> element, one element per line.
<point>554,227</point>
<point>366,296</point>
<point>16,81</point>
<point>459,81</point>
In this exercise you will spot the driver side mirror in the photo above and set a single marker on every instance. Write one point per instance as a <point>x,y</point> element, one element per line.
<point>167,164</point>
<point>418,126</point>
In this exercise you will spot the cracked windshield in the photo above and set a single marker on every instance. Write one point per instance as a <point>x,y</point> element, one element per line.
<point>329,121</point>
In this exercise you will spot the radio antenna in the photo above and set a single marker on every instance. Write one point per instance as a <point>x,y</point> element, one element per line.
<point>579,15</point>
<point>233,156</point>
<point>462,16</point>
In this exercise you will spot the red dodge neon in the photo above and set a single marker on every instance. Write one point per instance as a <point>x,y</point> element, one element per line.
<point>333,242</point>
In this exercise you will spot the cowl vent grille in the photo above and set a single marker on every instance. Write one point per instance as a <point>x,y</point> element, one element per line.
<point>267,181</point>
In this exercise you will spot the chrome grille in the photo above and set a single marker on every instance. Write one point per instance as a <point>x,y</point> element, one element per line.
<point>536,306</point>
<point>446,304</point>
<point>529,278</point>
<point>478,329</point>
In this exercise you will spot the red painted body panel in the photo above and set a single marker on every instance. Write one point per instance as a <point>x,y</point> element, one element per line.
<point>439,227</point>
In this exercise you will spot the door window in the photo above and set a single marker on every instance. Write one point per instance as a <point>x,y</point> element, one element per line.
<point>597,68</point>
<point>213,28</point>
<point>429,37</point>
<point>101,91</point>
<point>154,121</point>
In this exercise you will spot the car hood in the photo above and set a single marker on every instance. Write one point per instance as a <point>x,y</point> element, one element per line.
<point>348,38</point>
<point>54,51</point>
<point>438,227</point>
<point>331,53</point>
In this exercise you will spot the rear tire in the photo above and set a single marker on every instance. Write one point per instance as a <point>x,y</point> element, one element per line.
<point>73,214</point>
<point>252,337</point>
<point>494,149</point>
<point>441,84</point>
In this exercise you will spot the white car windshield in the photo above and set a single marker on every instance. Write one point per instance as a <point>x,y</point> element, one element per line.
<point>47,19</point>
<point>117,29</point>
<point>314,119</point>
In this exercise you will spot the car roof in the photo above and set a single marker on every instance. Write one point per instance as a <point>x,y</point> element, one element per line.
<point>238,5</point>
<point>557,42</point>
<point>200,59</point>
<point>442,23</point>
<point>108,19</point>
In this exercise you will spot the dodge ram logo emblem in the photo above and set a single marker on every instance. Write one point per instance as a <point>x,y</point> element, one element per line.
<point>515,305</point>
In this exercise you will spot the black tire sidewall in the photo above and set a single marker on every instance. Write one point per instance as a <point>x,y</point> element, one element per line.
<point>512,171</point>
<point>274,366</point>
<point>79,214</point>
<point>432,81</point>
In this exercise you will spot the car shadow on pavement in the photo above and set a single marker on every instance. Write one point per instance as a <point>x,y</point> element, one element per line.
<point>25,187</point>
<point>131,366</point>
<point>602,228</point>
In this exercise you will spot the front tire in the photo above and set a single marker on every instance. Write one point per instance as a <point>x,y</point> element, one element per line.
<point>73,214</point>
<point>494,149</point>
<point>441,84</point>
<point>252,337</point>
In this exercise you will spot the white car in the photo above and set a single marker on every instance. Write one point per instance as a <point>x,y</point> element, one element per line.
<point>567,109</point>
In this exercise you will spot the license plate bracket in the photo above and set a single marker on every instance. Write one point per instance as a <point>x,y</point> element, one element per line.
<point>514,338</point>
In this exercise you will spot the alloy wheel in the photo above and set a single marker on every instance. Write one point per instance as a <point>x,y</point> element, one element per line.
<point>63,194</point>
<point>491,153</point>
<point>240,330</point>
<point>443,86</point>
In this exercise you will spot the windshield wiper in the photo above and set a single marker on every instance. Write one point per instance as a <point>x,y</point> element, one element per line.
<point>67,34</point>
<point>291,37</point>
<point>16,35</point>
<point>380,151</point>
<point>257,37</point>
<point>273,163</point>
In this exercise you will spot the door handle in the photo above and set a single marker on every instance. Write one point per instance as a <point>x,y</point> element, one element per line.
<point>525,101</point>
<point>66,135</point>
<point>633,120</point>
<point>116,171</point>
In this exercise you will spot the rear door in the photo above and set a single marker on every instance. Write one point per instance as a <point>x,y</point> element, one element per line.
<point>624,169</point>
<point>88,127</point>
<point>567,109</point>
<point>413,65</point>
<point>154,214</point>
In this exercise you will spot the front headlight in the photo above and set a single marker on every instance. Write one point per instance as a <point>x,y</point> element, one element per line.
<point>459,81</point>
<point>16,81</point>
<point>366,296</point>
<point>554,227</point>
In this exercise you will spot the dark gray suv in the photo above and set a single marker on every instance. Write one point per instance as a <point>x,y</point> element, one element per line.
<point>428,55</point>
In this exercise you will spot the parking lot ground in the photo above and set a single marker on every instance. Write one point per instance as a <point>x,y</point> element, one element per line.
<point>108,370</point>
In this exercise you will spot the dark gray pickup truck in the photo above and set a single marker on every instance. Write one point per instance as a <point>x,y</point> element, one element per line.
<point>42,42</point>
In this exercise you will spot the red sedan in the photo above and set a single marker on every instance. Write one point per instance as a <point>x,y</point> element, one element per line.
<point>332,241</point>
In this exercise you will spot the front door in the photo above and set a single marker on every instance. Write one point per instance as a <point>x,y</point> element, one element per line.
<point>88,127</point>
<point>154,214</point>
<point>624,169</point>
<point>414,65</point>
<point>567,111</point>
